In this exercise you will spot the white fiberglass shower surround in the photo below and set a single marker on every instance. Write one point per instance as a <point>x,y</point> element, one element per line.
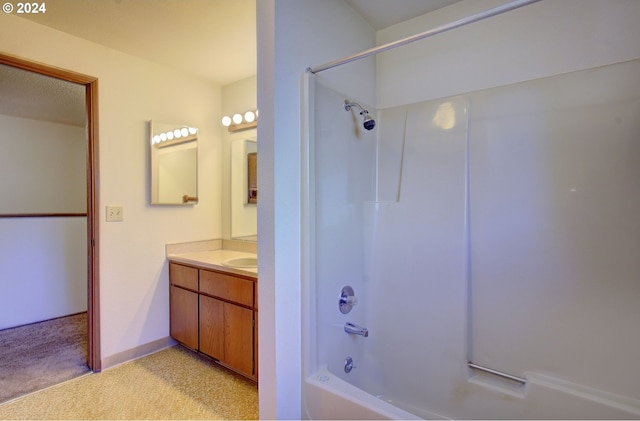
<point>489,243</point>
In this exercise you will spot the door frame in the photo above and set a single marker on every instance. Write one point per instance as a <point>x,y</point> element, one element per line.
<point>91,97</point>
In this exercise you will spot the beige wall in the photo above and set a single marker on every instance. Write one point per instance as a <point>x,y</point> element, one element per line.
<point>133,271</point>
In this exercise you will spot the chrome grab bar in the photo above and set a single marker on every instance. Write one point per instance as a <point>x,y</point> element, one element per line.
<point>497,373</point>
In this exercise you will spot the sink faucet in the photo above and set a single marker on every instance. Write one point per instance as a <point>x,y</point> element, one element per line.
<point>355,329</point>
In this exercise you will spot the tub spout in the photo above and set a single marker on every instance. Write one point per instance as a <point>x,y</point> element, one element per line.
<point>356,330</point>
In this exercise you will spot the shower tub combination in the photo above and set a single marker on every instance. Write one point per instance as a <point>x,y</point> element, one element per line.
<point>467,257</point>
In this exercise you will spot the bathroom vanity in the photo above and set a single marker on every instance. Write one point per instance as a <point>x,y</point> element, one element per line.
<point>214,305</point>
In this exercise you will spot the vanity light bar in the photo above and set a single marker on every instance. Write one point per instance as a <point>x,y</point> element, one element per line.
<point>237,122</point>
<point>173,137</point>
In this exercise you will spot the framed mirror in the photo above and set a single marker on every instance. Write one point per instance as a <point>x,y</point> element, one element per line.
<point>244,189</point>
<point>174,164</point>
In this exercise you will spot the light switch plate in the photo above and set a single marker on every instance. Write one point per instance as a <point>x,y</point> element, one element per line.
<point>114,214</point>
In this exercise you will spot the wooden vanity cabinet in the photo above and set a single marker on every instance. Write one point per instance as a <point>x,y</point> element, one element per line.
<point>226,333</point>
<point>224,322</point>
<point>226,319</point>
<point>183,299</point>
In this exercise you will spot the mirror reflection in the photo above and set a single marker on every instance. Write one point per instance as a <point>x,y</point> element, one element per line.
<point>244,189</point>
<point>174,164</point>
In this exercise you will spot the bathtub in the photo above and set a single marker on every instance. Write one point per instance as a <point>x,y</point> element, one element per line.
<point>327,396</point>
<point>408,258</point>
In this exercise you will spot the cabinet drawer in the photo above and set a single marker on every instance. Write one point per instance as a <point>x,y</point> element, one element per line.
<point>184,276</point>
<point>227,287</point>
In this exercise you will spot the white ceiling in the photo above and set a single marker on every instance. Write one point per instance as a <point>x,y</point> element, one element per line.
<point>383,13</point>
<point>213,39</point>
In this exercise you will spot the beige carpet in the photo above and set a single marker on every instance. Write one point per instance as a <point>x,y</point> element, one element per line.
<point>39,355</point>
<point>173,384</point>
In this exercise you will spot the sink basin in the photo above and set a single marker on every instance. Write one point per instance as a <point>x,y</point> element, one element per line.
<point>242,262</point>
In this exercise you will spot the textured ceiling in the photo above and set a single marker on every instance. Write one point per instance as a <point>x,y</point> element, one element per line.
<point>31,95</point>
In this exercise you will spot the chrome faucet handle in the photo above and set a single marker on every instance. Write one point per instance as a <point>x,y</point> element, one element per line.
<point>347,300</point>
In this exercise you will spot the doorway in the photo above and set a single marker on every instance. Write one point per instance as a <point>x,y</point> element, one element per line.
<point>90,85</point>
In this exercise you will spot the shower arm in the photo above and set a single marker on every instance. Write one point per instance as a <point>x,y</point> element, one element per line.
<point>348,105</point>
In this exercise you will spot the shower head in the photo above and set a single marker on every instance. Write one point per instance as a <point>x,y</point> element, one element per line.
<point>367,122</point>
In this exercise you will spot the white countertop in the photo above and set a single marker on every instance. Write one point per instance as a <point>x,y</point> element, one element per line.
<point>213,259</point>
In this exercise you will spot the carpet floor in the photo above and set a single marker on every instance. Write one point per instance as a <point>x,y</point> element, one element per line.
<point>172,384</point>
<point>39,355</point>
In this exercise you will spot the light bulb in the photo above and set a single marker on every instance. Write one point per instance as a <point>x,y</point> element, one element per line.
<point>226,121</point>
<point>193,130</point>
<point>184,131</point>
<point>163,137</point>
<point>237,118</point>
<point>156,139</point>
<point>249,116</point>
<point>256,113</point>
<point>170,135</point>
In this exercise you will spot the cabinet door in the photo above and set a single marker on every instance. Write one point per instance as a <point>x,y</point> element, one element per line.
<point>184,316</point>
<point>212,327</point>
<point>239,338</point>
